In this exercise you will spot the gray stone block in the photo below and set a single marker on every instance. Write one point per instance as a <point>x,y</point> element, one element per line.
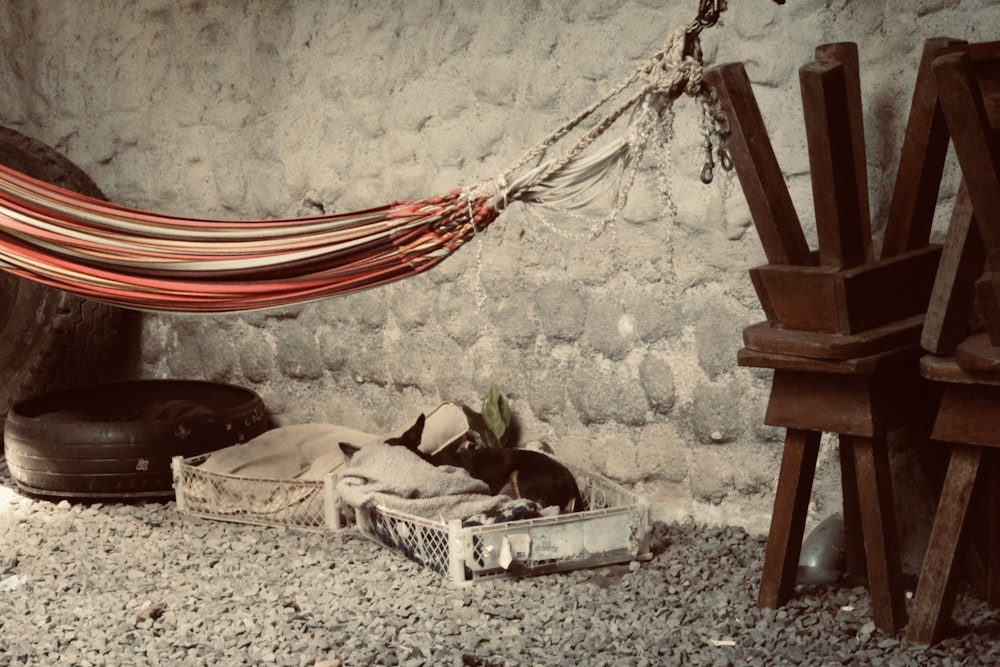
<point>657,380</point>
<point>608,330</point>
<point>256,359</point>
<point>334,349</point>
<point>412,363</point>
<point>454,378</point>
<point>546,393</point>
<point>615,457</point>
<point>200,351</point>
<point>561,310</point>
<point>411,309</point>
<point>717,338</point>
<point>655,320</point>
<point>371,309</point>
<point>607,394</point>
<point>710,476</point>
<point>464,326</point>
<point>297,352</point>
<point>662,453</point>
<point>515,320</point>
<point>714,412</point>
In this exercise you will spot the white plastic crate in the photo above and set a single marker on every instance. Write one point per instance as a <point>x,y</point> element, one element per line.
<point>614,528</point>
<point>308,504</point>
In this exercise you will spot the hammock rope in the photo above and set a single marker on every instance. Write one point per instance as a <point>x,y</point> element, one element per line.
<point>148,261</point>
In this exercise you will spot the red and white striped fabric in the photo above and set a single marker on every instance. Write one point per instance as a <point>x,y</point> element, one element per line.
<point>147,261</point>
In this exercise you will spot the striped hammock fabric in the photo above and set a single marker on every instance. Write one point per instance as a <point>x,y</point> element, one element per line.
<point>141,260</point>
<point>147,261</point>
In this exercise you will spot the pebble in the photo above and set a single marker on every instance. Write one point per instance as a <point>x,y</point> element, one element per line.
<point>144,585</point>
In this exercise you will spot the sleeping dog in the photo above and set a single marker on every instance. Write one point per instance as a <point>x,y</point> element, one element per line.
<point>529,474</point>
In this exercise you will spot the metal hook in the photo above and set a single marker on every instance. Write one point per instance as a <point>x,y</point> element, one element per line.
<point>726,158</point>
<point>706,172</point>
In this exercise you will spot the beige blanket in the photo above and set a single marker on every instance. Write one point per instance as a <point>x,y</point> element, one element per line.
<point>277,477</point>
<point>395,477</point>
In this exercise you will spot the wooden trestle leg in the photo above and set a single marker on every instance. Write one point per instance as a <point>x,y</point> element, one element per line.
<point>936,587</point>
<point>878,524</point>
<point>854,545</point>
<point>788,521</point>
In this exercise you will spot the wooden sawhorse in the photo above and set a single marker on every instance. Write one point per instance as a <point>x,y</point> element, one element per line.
<point>842,327</point>
<point>967,367</point>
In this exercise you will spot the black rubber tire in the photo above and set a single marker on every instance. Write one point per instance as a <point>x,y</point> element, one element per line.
<point>49,338</point>
<point>115,441</point>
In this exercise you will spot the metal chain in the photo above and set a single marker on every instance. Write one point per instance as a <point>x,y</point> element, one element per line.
<point>714,124</point>
<point>708,15</point>
<point>709,12</point>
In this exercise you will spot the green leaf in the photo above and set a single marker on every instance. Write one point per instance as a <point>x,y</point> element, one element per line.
<point>478,425</point>
<point>496,414</point>
<point>492,425</point>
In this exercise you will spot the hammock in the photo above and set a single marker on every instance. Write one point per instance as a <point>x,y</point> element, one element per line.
<point>147,261</point>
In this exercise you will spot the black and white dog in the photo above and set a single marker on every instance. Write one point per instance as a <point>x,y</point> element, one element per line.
<point>528,474</point>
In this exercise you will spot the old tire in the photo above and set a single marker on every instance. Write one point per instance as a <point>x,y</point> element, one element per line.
<point>116,440</point>
<point>49,338</point>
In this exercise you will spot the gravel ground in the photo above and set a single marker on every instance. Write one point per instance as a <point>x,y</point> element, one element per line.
<point>120,585</point>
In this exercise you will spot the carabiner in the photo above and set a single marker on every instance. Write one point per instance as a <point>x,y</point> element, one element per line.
<point>706,172</point>
<point>726,158</point>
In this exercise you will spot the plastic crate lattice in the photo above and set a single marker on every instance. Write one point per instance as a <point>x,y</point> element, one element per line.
<point>614,527</point>
<point>270,502</point>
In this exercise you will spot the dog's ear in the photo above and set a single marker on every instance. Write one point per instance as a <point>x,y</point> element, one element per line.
<point>349,450</point>
<point>411,438</point>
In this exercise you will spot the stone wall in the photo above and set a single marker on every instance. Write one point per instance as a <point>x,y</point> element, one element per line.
<point>616,343</point>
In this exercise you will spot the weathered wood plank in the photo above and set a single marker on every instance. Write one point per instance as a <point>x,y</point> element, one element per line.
<point>788,520</point>
<point>946,369</point>
<point>986,300</point>
<point>842,241</point>
<point>878,524</point>
<point>800,298</point>
<point>969,414</point>
<point>962,259</point>
<point>889,290</point>
<point>921,163</point>
<point>767,338</point>
<point>935,593</point>
<point>846,53</point>
<point>975,145</point>
<point>993,542</point>
<point>757,167</point>
<point>854,541</point>
<point>821,299</point>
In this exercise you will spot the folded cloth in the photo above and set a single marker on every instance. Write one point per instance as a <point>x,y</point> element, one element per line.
<point>310,451</point>
<point>299,451</point>
<point>276,477</point>
<point>394,477</point>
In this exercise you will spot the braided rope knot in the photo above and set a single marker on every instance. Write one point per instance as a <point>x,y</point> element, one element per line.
<point>678,69</point>
<point>670,67</point>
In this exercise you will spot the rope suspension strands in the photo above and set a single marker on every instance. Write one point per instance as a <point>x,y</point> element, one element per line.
<point>147,261</point>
